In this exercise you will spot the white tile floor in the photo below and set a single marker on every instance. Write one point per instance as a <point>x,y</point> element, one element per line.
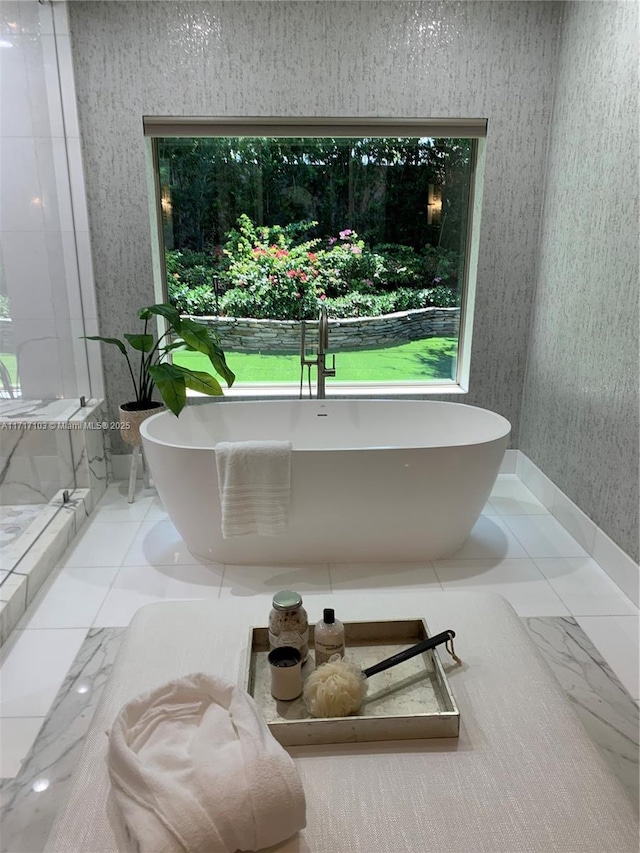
<point>130,555</point>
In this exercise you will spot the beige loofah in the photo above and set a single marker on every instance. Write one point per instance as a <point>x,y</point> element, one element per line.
<point>335,689</point>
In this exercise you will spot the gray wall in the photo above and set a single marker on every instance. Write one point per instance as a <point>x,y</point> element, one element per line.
<point>495,60</point>
<point>580,407</point>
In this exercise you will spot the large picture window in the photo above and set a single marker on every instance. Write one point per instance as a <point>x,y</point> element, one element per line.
<point>262,225</point>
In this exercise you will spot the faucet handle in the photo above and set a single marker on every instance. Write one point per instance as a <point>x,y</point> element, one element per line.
<point>304,361</point>
<point>331,371</point>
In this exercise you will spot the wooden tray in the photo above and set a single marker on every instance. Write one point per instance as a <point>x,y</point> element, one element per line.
<point>409,701</point>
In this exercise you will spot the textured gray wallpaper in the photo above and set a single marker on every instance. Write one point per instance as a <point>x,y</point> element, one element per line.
<point>580,409</point>
<point>495,60</point>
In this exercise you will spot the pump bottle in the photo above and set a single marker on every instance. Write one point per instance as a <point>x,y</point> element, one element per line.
<point>328,637</point>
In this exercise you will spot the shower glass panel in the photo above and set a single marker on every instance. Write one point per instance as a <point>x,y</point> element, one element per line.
<point>52,459</point>
<point>44,367</point>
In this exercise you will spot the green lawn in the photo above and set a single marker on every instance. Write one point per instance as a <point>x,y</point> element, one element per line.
<point>9,360</point>
<point>432,358</point>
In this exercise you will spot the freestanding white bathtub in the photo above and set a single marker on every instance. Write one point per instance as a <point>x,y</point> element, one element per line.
<point>371,480</point>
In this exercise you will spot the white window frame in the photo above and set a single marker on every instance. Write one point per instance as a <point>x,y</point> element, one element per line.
<point>476,129</point>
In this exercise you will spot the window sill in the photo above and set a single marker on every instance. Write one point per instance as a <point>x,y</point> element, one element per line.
<point>247,391</point>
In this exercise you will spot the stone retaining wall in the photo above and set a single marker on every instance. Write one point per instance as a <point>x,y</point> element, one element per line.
<point>282,337</point>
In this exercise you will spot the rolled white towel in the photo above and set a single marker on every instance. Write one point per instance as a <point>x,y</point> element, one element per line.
<point>194,769</point>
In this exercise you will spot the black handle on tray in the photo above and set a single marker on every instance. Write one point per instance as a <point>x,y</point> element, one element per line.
<point>412,651</point>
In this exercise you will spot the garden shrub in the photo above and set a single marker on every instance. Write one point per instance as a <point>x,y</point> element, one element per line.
<point>402,266</point>
<point>443,297</point>
<point>281,300</point>
<point>406,299</point>
<point>275,272</point>
<point>373,305</point>
<point>359,305</point>
<point>199,301</point>
<point>178,260</point>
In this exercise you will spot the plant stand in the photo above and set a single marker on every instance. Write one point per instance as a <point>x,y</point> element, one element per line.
<point>133,472</point>
<point>131,436</point>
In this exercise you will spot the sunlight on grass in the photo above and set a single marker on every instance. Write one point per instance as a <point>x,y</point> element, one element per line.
<point>10,362</point>
<point>418,361</point>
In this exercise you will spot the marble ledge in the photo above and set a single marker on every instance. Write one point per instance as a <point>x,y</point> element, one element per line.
<point>47,411</point>
<point>15,519</point>
<point>13,603</point>
<point>16,550</point>
<point>35,555</point>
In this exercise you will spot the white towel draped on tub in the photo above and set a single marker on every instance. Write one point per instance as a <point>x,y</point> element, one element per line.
<point>194,769</point>
<point>254,484</point>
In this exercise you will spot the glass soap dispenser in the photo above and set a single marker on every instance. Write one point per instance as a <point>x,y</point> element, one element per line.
<point>328,637</point>
<point>288,623</point>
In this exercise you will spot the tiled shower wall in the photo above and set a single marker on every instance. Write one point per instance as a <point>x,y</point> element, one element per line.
<point>580,410</point>
<point>495,60</point>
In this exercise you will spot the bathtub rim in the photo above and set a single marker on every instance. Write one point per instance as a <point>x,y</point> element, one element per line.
<point>500,435</point>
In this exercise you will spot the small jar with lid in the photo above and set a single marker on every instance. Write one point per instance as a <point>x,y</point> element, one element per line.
<point>288,623</point>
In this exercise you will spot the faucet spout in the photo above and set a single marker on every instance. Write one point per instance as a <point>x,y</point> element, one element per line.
<point>323,346</point>
<point>320,361</point>
<point>323,331</point>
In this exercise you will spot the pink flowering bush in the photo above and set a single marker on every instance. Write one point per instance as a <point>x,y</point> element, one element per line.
<point>271,275</point>
<point>273,272</point>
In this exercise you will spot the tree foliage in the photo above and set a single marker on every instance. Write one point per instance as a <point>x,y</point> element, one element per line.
<point>378,187</point>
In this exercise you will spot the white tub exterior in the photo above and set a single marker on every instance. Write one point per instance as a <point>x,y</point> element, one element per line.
<point>371,480</point>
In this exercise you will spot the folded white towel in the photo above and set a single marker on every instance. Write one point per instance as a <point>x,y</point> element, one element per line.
<point>194,769</point>
<point>254,484</point>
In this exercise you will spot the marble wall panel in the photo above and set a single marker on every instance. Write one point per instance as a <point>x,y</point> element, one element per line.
<point>29,463</point>
<point>90,454</point>
<point>48,447</point>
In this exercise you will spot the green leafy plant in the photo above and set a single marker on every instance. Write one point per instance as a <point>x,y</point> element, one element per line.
<point>4,307</point>
<point>171,380</point>
<point>5,380</point>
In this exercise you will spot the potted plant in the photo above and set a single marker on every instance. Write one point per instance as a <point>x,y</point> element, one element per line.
<point>171,380</point>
